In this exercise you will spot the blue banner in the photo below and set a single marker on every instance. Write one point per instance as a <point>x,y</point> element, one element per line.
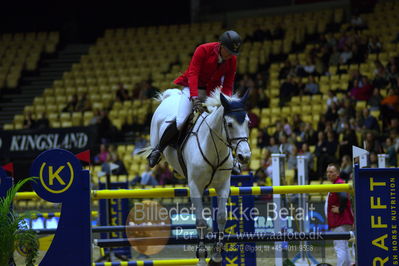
<point>239,221</point>
<point>377,206</point>
<point>119,210</point>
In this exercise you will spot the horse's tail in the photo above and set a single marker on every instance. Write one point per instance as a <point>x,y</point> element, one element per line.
<point>145,152</point>
<point>163,95</point>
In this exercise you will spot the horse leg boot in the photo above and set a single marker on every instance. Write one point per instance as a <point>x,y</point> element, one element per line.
<point>170,132</point>
<point>221,220</point>
<point>202,226</point>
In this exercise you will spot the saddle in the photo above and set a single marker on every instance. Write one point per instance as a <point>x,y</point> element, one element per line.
<point>179,141</point>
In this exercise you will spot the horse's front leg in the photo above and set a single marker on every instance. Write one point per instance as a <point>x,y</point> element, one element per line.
<point>223,193</point>
<point>201,225</point>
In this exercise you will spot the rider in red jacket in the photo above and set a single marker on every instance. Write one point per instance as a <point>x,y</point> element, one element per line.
<point>206,70</point>
<point>212,65</point>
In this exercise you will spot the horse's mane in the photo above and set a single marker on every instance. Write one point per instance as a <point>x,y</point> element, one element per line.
<point>213,101</point>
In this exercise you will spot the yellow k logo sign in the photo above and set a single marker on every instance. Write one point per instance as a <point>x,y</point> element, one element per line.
<point>56,175</point>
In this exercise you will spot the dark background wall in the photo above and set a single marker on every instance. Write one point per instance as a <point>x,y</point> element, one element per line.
<point>85,21</point>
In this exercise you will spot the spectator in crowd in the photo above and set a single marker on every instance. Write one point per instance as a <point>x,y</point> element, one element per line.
<point>122,94</point>
<point>373,160</point>
<point>372,144</point>
<point>287,127</point>
<point>346,168</point>
<point>375,100</point>
<point>273,147</point>
<point>349,106</point>
<point>374,45</point>
<point>349,139</point>
<point>332,98</point>
<point>308,134</point>
<point>148,178</point>
<point>121,170</point>
<point>42,122</point>
<point>96,117</point>
<point>310,68</point>
<point>342,119</point>
<point>278,32</point>
<point>332,146</point>
<point>261,178</point>
<point>357,22</point>
<point>106,130</point>
<point>287,90</point>
<point>262,139</point>
<point>332,112</point>
<point>369,121</point>
<point>291,161</point>
<point>164,175</point>
<point>112,158</point>
<point>286,70</point>
<point>83,103</point>
<point>355,79</point>
<point>345,56</point>
<point>393,74</point>
<point>72,104</point>
<point>380,75</point>
<point>321,152</point>
<point>362,91</point>
<point>261,81</point>
<point>308,155</point>
<point>254,120</point>
<point>285,146</point>
<point>335,58</point>
<point>149,90</point>
<point>297,124</point>
<point>102,156</point>
<point>29,122</point>
<point>391,153</point>
<point>339,215</point>
<point>390,105</point>
<point>311,86</point>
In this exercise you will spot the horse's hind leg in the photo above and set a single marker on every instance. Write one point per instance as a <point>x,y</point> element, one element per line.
<point>201,225</point>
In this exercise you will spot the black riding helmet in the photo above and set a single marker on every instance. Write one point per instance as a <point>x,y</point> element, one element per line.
<point>231,41</point>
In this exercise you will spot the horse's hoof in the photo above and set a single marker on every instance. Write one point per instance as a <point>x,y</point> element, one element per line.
<point>201,262</point>
<point>217,258</point>
<point>214,263</point>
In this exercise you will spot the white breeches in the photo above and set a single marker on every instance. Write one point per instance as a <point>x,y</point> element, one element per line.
<point>185,108</point>
<point>341,247</point>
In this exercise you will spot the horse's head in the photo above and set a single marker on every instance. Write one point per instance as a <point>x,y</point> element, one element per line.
<point>236,125</point>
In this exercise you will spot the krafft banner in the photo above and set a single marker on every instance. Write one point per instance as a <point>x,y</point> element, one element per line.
<point>377,206</point>
<point>29,143</point>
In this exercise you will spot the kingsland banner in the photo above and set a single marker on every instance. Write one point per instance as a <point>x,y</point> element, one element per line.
<point>29,143</point>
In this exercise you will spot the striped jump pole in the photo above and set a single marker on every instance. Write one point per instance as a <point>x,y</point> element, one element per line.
<point>234,191</point>
<point>121,228</point>
<point>239,238</point>
<point>171,262</point>
<point>185,192</point>
<point>48,215</point>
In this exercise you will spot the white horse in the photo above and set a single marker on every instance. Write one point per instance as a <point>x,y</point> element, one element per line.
<point>207,153</point>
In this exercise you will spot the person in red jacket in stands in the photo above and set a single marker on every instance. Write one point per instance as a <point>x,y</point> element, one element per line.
<point>339,215</point>
<point>212,65</point>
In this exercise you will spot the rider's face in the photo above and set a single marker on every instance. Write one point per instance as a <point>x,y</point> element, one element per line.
<point>224,53</point>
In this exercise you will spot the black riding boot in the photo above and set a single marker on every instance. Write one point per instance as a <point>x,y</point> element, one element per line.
<point>170,132</point>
